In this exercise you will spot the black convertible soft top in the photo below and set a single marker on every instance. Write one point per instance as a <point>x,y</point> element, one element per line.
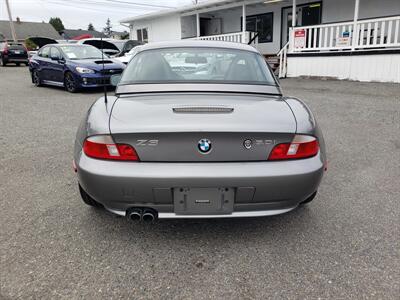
<point>42,41</point>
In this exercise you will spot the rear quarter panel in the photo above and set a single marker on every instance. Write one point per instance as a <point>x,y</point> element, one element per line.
<point>96,121</point>
<point>306,122</point>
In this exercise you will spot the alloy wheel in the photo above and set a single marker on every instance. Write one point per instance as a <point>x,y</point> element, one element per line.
<point>70,83</point>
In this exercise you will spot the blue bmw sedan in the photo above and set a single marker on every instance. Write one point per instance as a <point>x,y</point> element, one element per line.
<point>73,67</point>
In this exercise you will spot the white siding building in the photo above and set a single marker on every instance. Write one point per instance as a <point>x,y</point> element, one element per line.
<point>345,39</point>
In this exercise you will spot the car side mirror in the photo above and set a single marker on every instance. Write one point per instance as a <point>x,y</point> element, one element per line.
<point>115,79</point>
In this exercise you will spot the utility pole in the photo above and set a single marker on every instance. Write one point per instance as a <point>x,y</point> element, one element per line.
<point>11,21</point>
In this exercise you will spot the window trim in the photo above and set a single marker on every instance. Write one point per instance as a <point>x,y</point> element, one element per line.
<point>141,30</point>
<point>40,54</point>
<point>59,52</point>
<point>258,15</point>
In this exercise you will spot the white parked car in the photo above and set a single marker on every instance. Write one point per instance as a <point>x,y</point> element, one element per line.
<point>111,47</point>
<point>128,56</point>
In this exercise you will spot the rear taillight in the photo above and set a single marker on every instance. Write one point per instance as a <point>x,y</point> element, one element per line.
<point>302,146</point>
<point>103,147</point>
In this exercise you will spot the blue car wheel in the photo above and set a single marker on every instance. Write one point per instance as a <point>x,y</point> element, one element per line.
<point>70,83</point>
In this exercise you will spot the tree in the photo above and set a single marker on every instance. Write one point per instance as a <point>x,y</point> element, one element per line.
<point>57,24</point>
<point>107,29</point>
<point>90,27</point>
<point>30,44</point>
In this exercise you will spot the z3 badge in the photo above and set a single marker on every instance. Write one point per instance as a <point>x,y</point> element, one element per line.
<point>147,143</point>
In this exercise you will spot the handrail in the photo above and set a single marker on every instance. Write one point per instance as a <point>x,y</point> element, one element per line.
<point>349,22</point>
<point>378,33</point>
<point>236,37</point>
<point>284,46</point>
<point>282,54</point>
<point>219,35</point>
<point>325,25</point>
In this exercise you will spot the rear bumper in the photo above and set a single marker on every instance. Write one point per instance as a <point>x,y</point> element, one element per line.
<point>239,214</point>
<point>10,59</point>
<point>262,187</point>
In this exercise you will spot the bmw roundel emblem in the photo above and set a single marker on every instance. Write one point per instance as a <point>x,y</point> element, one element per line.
<point>204,146</point>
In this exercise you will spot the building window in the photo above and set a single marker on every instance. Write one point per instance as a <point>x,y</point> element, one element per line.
<point>263,25</point>
<point>142,35</point>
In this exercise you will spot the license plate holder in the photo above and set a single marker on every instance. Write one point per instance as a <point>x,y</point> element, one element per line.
<point>203,201</point>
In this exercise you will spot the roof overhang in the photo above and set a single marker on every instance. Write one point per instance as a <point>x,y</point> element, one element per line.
<point>193,9</point>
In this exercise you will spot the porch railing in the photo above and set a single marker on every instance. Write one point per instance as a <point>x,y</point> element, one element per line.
<point>236,37</point>
<point>363,34</point>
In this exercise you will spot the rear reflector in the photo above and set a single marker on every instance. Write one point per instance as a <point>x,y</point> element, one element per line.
<point>302,146</point>
<point>103,147</point>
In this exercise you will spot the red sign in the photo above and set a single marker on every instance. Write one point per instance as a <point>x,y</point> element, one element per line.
<point>300,33</point>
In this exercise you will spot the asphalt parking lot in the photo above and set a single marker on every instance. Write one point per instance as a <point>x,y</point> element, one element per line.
<point>345,244</point>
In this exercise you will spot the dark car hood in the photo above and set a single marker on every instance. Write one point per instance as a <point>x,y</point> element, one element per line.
<point>41,41</point>
<point>96,64</point>
<point>101,44</point>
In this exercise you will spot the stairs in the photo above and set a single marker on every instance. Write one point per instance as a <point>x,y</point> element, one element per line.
<point>273,61</point>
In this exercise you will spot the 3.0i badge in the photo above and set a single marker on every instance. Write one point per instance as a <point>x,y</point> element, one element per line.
<point>204,146</point>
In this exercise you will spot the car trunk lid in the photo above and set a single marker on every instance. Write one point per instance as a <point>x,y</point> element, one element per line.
<point>171,127</point>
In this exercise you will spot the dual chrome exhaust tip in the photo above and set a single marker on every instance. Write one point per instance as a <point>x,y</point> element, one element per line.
<point>146,215</point>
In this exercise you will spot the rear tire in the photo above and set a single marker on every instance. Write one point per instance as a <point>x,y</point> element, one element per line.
<point>309,199</point>
<point>87,199</point>
<point>70,83</point>
<point>18,64</point>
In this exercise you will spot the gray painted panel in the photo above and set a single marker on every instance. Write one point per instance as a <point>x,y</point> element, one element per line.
<point>183,146</point>
<point>154,113</point>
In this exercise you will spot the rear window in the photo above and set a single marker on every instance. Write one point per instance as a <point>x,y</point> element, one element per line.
<point>198,65</point>
<point>16,47</point>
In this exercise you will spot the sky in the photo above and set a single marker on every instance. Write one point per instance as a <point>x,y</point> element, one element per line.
<point>77,14</point>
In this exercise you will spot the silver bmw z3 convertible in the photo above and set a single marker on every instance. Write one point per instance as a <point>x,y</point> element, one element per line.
<point>198,129</point>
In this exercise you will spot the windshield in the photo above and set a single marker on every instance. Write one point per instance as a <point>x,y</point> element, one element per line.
<point>81,52</point>
<point>210,65</point>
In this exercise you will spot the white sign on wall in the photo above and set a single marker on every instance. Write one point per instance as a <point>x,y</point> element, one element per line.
<point>343,40</point>
<point>300,38</point>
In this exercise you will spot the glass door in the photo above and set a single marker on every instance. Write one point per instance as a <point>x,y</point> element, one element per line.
<point>306,14</point>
